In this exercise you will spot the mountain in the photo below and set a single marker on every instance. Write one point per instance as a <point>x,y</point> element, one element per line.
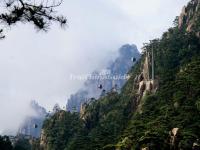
<point>158,108</point>
<point>119,67</point>
<point>33,124</point>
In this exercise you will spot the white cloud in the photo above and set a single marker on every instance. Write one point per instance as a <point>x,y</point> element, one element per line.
<point>38,65</point>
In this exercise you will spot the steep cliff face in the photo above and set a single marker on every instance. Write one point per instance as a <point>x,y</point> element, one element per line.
<point>144,83</point>
<point>164,86</point>
<point>43,140</point>
<point>190,16</point>
<point>118,68</point>
<point>169,116</point>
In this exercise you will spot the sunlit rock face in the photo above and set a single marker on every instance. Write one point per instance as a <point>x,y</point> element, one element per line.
<point>189,17</point>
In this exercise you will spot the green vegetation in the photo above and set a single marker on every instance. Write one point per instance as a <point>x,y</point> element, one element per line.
<point>20,144</point>
<point>39,13</point>
<point>60,128</point>
<point>113,122</point>
<point>104,119</point>
<point>5,143</point>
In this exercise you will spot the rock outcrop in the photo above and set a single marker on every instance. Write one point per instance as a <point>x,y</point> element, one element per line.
<point>146,148</point>
<point>43,140</point>
<point>174,133</point>
<point>182,17</point>
<point>189,17</point>
<point>144,83</point>
<point>196,145</point>
<point>118,68</point>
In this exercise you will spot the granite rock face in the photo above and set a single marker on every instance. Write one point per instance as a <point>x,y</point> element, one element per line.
<point>107,82</point>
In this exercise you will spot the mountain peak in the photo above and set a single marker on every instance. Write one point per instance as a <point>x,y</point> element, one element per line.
<point>128,50</point>
<point>189,17</point>
<point>120,66</point>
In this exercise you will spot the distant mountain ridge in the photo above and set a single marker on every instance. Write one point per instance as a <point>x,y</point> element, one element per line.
<point>118,68</point>
<point>157,109</point>
<point>33,124</point>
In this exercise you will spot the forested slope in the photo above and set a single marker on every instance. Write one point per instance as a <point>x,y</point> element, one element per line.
<point>165,116</point>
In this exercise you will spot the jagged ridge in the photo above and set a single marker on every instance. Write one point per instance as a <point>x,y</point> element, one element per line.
<point>169,118</point>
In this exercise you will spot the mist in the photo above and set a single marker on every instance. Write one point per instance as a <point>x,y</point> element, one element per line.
<point>37,65</point>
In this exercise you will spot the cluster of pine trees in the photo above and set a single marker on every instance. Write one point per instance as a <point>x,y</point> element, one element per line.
<point>113,122</point>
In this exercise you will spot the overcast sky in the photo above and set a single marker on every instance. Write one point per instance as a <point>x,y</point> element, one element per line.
<point>37,65</point>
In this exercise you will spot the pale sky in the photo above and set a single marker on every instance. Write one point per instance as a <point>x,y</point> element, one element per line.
<point>37,65</point>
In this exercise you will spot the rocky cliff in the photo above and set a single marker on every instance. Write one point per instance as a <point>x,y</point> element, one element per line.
<point>190,16</point>
<point>118,68</point>
<point>158,108</point>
